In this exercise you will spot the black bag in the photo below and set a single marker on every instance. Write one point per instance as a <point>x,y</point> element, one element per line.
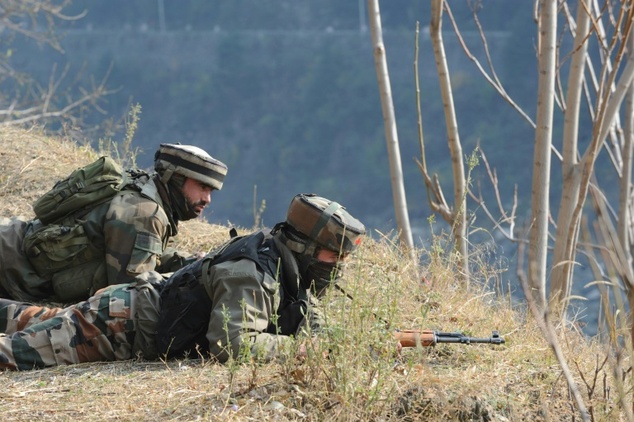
<point>184,316</point>
<point>289,316</point>
<point>185,304</point>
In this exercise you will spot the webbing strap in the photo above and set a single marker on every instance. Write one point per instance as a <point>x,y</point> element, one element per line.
<point>323,219</point>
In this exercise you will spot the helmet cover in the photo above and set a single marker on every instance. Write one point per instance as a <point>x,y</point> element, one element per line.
<point>189,161</point>
<point>325,222</point>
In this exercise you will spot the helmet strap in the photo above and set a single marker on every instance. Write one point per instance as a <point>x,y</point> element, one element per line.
<point>300,245</point>
<point>167,174</point>
<point>294,245</point>
<point>326,214</point>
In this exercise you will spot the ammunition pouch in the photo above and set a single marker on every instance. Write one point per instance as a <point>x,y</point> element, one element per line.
<point>66,256</point>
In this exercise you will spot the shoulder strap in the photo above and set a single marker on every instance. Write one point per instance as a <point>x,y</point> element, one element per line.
<point>237,248</point>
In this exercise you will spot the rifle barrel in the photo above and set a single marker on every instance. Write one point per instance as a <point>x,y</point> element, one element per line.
<point>459,337</point>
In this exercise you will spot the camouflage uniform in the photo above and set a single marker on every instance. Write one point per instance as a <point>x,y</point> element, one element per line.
<point>121,321</point>
<point>117,323</point>
<point>18,279</point>
<point>237,301</point>
<point>248,298</point>
<point>127,236</point>
<point>132,229</point>
<point>251,295</point>
<point>136,230</point>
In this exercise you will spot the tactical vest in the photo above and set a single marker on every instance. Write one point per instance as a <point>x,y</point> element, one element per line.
<point>186,306</point>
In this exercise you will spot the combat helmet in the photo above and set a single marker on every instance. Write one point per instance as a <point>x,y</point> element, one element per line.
<point>189,161</point>
<point>323,223</point>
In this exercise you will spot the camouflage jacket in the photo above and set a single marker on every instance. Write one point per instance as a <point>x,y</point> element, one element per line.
<point>245,303</point>
<point>126,236</point>
<point>133,229</point>
<point>249,305</point>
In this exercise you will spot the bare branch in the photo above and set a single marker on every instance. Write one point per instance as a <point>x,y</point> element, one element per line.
<point>506,218</point>
<point>22,99</point>
<point>492,79</point>
<point>43,111</point>
<point>548,331</point>
<point>22,17</point>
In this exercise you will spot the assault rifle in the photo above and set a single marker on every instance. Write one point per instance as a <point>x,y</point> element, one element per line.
<point>411,338</point>
<point>426,338</point>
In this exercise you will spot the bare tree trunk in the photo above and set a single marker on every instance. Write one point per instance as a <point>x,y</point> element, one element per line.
<point>459,215</point>
<point>625,204</point>
<point>538,248</point>
<point>389,120</point>
<point>578,174</point>
<point>625,198</point>
<point>567,232</point>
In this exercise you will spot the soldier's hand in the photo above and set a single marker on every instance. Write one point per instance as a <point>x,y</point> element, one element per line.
<point>309,347</point>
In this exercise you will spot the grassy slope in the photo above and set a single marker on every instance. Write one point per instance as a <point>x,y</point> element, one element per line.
<point>362,379</point>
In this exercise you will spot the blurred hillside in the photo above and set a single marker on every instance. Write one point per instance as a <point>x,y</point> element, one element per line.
<point>285,93</point>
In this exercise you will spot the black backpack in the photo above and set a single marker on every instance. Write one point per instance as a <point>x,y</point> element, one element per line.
<point>185,304</point>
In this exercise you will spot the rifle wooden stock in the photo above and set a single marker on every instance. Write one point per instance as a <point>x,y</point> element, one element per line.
<point>426,338</point>
<point>411,338</point>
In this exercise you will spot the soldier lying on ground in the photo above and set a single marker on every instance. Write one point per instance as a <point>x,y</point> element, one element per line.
<point>253,292</point>
<point>115,240</point>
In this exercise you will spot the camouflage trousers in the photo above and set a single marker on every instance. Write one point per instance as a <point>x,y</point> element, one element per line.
<point>117,323</point>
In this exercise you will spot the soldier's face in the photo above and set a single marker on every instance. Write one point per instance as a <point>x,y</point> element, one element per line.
<point>328,256</point>
<point>197,194</point>
<point>319,271</point>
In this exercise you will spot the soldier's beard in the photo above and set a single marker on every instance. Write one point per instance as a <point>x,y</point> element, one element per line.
<point>192,208</point>
<point>183,208</point>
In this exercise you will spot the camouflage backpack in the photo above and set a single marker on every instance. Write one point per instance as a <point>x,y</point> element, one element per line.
<point>56,244</point>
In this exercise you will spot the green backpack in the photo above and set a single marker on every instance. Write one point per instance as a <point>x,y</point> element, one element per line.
<point>65,256</point>
<point>83,189</point>
<point>56,244</point>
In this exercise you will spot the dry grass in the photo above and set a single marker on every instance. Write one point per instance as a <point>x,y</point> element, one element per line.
<point>361,379</point>
<point>30,163</point>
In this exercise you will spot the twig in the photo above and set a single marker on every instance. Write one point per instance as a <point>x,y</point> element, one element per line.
<point>548,331</point>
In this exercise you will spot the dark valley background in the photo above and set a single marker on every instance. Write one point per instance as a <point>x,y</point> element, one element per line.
<point>286,94</point>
